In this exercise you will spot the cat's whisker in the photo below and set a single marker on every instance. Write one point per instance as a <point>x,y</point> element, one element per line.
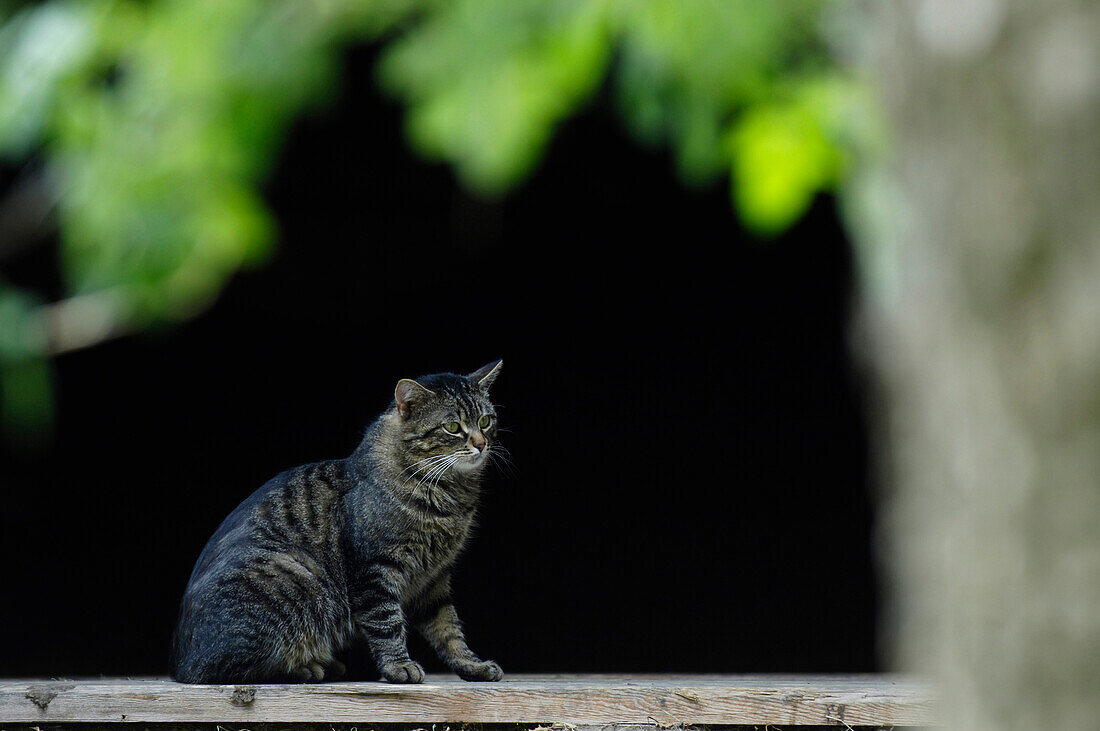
<point>431,463</point>
<point>499,448</point>
<point>429,474</point>
<point>438,469</point>
<point>437,474</point>
<point>500,459</point>
<point>426,470</point>
<point>414,465</point>
<point>505,464</point>
<point>412,470</point>
<point>432,458</point>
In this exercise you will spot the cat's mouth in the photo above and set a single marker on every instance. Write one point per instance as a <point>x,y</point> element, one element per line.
<point>471,459</point>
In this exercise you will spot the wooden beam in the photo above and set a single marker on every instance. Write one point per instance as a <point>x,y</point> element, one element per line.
<point>585,700</point>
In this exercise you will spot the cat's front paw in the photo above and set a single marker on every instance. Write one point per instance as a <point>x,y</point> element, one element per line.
<point>485,671</point>
<point>404,671</point>
<point>312,673</point>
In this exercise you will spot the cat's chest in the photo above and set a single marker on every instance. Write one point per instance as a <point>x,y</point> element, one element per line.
<point>428,549</point>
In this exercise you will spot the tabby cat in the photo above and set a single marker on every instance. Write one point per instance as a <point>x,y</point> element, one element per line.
<point>349,550</point>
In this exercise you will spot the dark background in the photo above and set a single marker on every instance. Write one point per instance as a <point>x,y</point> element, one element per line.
<point>691,487</point>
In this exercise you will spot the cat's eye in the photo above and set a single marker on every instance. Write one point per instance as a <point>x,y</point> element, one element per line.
<point>452,427</point>
<point>484,421</point>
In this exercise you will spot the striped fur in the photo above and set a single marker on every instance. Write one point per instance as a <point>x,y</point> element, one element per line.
<point>348,551</point>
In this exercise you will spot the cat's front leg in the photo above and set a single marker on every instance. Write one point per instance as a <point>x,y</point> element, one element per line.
<point>381,623</point>
<point>438,623</point>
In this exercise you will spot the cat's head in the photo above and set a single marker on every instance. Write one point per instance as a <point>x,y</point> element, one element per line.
<point>446,422</point>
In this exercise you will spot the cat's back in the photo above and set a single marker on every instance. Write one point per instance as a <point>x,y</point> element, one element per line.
<point>296,509</point>
<point>274,560</point>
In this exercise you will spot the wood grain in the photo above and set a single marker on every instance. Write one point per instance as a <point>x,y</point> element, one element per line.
<point>587,700</point>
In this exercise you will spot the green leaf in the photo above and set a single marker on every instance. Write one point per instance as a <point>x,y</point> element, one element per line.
<point>20,337</point>
<point>26,391</point>
<point>687,68</point>
<point>785,152</point>
<point>487,80</point>
<point>26,400</point>
<point>39,47</point>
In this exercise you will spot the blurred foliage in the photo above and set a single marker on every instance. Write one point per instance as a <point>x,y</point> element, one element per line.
<point>145,127</point>
<point>743,87</point>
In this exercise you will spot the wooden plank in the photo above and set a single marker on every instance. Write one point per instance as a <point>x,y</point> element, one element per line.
<point>586,700</point>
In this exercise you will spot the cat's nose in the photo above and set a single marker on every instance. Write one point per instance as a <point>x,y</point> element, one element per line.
<point>478,442</point>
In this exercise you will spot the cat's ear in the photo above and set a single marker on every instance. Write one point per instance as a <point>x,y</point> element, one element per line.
<point>486,374</point>
<point>407,393</point>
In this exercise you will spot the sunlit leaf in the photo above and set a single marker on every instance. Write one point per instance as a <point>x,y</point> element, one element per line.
<point>687,68</point>
<point>785,152</point>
